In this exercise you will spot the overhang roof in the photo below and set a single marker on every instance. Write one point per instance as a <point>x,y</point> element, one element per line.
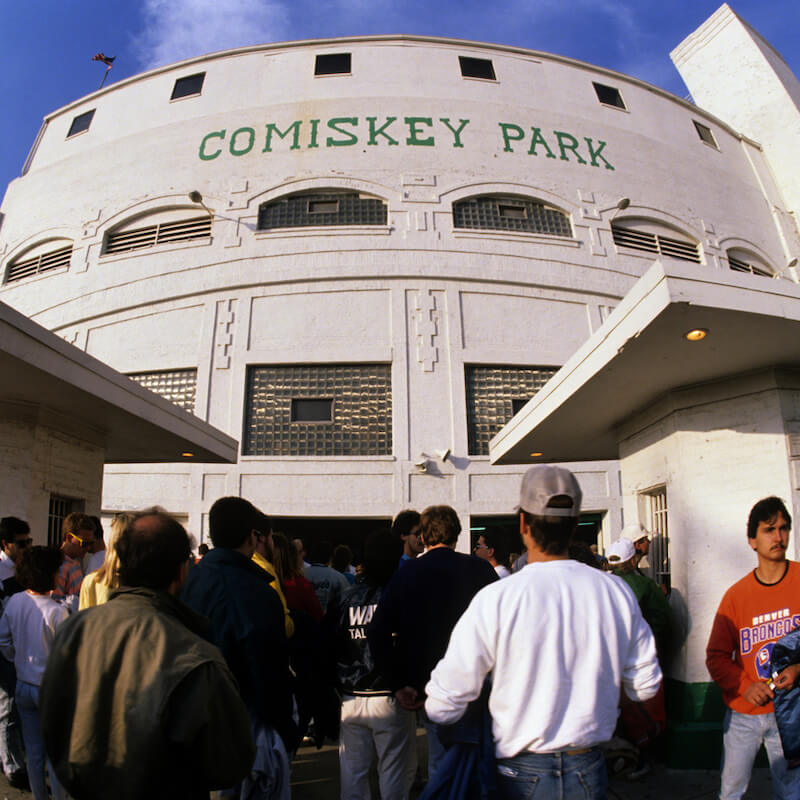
<point>640,353</point>
<point>47,380</point>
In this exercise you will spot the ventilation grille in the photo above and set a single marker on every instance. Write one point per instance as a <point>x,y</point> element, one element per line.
<point>501,213</point>
<point>55,259</point>
<point>165,233</point>
<point>655,243</point>
<point>494,394</point>
<point>176,385</point>
<point>332,208</point>
<point>361,403</point>
<point>738,265</point>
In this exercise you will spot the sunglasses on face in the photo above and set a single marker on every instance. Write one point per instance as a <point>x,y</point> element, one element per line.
<point>23,542</point>
<point>84,543</point>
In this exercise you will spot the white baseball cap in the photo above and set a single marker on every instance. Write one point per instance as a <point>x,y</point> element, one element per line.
<point>620,551</point>
<point>635,531</point>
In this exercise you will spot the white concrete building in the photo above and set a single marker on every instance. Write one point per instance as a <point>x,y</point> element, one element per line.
<point>353,254</point>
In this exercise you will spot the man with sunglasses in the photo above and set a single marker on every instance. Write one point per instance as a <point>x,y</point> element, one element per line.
<point>15,536</point>
<point>78,537</point>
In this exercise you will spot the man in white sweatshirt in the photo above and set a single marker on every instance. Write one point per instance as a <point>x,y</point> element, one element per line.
<point>559,639</point>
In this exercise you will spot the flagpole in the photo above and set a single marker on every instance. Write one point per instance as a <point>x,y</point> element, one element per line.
<point>105,75</point>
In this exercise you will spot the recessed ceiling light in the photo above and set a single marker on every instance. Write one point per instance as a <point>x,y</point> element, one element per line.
<point>535,455</point>
<point>696,335</point>
<point>187,455</point>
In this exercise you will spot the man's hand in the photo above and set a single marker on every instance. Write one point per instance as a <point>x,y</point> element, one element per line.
<point>787,677</point>
<point>409,698</point>
<point>758,694</point>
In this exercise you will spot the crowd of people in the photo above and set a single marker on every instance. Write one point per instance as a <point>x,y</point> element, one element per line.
<point>133,668</point>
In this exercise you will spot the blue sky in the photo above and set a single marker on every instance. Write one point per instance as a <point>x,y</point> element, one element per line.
<point>46,45</point>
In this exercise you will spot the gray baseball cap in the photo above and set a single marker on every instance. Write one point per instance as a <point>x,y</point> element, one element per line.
<point>541,484</point>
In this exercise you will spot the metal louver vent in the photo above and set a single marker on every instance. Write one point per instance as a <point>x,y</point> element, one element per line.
<point>655,243</point>
<point>737,265</point>
<point>41,263</point>
<point>163,233</point>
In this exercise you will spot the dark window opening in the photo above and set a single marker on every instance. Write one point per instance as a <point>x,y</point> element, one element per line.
<point>57,512</point>
<point>312,410</point>
<point>185,87</point>
<point>81,123</point>
<point>704,132</point>
<point>518,403</point>
<point>477,68</point>
<point>608,95</point>
<point>332,64</point>
<point>325,208</point>
<point>512,212</point>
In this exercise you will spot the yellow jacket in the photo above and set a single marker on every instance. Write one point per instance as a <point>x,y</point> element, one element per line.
<point>276,585</point>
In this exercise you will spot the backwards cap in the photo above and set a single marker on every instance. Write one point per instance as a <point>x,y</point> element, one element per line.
<point>541,484</point>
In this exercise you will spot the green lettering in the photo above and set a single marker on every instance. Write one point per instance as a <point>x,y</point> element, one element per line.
<point>273,128</point>
<point>210,156</point>
<point>567,141</point>
<point>314,128</point>
<point>333,124</point>
<point>595,154</point>
<point>507,128</point>
<point>251,135</point>
<point>455,131</point>
<point>414,132</point>
<point>537,138</point>
<point>381,131</point>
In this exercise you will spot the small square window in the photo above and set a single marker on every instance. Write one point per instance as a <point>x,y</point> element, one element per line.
<point>323,206</point>
<point>477,68</point>
<point>312,410</point>
<point>188,86</point>
<point>704,132</point>
<point>81,123</point>
<point>608,95</point>
<point>332,64</point>
<point>512,212</point>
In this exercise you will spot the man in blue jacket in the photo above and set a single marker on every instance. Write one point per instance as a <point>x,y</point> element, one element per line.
<point>247,619</point>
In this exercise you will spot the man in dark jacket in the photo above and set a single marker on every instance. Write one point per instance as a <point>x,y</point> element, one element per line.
<point>134,703</point>
<point>411,626</point>
<point>247,618</point>
<point>371,717</point>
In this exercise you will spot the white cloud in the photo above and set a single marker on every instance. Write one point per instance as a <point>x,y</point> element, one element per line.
<point>177,29</point>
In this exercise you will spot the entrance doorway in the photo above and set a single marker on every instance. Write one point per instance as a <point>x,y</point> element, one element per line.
<point>351,531</point>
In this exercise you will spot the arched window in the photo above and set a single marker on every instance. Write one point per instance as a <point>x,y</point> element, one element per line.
<point>322,207</point>
<point>740,260</point>
<point>510,212</point>
<point>162,227</point>
<point>654,237</point>
<point>50,255</point>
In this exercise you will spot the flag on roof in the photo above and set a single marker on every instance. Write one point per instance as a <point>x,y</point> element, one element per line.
<point>107,60</point>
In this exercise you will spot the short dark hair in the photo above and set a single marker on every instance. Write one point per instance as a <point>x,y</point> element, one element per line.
<point>764,511</point>
<point>231,519</point>
<point>552,534</point>
<point>320,551</point>
<point>404,522</point>
<point>11,527</point>
<point>98,527</point>
<point>342,557</point>
<point>38,567</point>
<point>496,540</point>
<point>382,551</point>
<point>76,521</point>
<point>439,525</point>
<point>151,550</point>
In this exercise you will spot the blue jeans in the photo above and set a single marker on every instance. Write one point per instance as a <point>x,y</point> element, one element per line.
<point>436,749</point>
<point>551,776</point>
<point>28,705</point>
<point>12,753</point>
<point>742,736</point>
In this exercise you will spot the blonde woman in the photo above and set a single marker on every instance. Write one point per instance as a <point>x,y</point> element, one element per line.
<point>97,586</point>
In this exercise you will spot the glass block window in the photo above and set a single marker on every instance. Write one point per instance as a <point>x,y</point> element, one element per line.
<point>188,86</point>
<point>510,213</point>
<point>58,258</point>
<point>176,385</point>
<point>608,95</point>
<point>638,239</point>
<point>332,64</point>
<point>477,68</point>
<point>322,208</point>
<point>184,230</point>
<point>81,123</point>
<point>358,396</point>
<point>494,395</point>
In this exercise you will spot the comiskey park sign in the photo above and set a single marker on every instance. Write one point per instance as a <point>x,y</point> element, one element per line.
<point>392,131</point>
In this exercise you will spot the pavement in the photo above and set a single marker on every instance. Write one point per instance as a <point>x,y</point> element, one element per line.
<point>315,776</point>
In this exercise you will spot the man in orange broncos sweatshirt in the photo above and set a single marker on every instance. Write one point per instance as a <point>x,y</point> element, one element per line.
<point>754,613</point>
